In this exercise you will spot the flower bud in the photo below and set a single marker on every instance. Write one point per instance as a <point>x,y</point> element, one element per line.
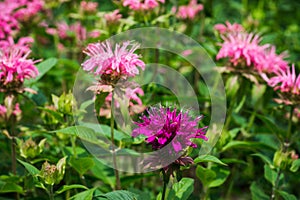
<point>280,159</point>
<point>53,174</point>
<point>29,149</point>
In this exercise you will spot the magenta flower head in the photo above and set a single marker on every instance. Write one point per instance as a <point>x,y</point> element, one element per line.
<point>170,133</point>
<point>288,83</point>
<point>163,127</point>
<point>15,66</point>
<point>120,62</point>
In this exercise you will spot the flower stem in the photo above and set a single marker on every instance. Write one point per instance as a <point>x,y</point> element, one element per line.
<point>51,195</point>
<point>13,156</point>
<point>290,124</point>
<point>112,124</point>
<point>276,185</point>
<point>165,180</point>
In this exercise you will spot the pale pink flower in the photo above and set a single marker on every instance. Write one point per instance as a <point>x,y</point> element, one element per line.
<point>187,52</point>
<point>75,30</point>
<point>241,48</point>
<point>89,7</point>
<point>189,11</point>
<point>285,80</point>
<point>3,110</point>
<point>120,61</point>
<point>14,64</point>
<point>113,17</point>
<point>140,5</point>
<point>17,111</point>
<point>229,28</point>
<point>94,34</point>
<point>131,95</point>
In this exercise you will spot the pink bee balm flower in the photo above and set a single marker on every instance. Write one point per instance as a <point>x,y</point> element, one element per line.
<point>189,11</point>
<point>241,48</point>
<point>3,110</point>
<point>229,28</point>
<point>270,62</point>
<point>113,17</point>
<point>14,64</point>
<point>285,80</point>
<point>135,103</point>
<point>75,30</point>
<point>89,7</point>
<point>140,5</point>
<point>164,127</point>
<point>17,111</point>
<point>120,61</point>
<point>8,23</point>
<point>28,8</point>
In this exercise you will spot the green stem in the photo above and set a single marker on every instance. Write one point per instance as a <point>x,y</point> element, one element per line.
<point>165,180</point>
<point>276,185</point>
<point>112,124</point>
<point>289,133</point>
<point>51,194</point>
<point>13,156</point>
<point>284,150</point>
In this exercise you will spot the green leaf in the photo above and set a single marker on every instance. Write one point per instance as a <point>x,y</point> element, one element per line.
<point>209,158</point>
<point>105,130</point>
<point>182,190</point>
<point>263,157</point>
<point>120,195</point>
<point>103,173</point>
<point>286,196</point>
<point>205,175</point>
<point>85,195</point>
<point>82,165</point>
<point>221,176</point>
<point>82,132</point>
<point>126,180</point>
<point>257,193</point>
<point>30,168</point>
<point>100,100</point>
<point>70,187</point>
<point>6,187</point>
<point>247,145</point>
<point>43,68</point>
<point>295,165</point>
<point>270,174</point>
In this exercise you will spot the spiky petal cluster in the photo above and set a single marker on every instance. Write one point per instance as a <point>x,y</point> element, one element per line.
<point>244,50</point>
<point>241,48</point>
<point>140,5</point>
<point>14,11</point>
<point>228,28</point>
<point>14,63</point>
<point>189,11</point>
<point>270,62</point>
<point>163,127</point>
<point>286,81</point>
<point>112,17</point>
<point>89,7</point>
<point>119,62</point>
